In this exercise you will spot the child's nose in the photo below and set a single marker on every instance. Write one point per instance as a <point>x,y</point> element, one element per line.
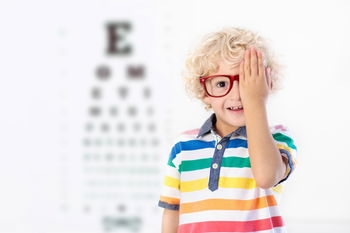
<point>234,92</point>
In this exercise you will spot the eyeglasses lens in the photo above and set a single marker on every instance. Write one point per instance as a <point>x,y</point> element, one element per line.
<point>218,85</point>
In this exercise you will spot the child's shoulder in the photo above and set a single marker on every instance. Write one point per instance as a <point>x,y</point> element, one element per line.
<point>186,135</point>
<point>279,128</point>
<point>282,133</point>
<point>191,132</point>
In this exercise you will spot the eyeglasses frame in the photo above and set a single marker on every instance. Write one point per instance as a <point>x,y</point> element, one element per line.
<point>232,78</point>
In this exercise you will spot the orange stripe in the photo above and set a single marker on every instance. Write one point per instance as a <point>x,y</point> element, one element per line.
<point>228,204</point>
<point>170,200</point>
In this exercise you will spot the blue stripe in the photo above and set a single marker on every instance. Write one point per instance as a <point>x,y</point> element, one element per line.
<point>234,143</point>
<point>198,144</point>
<point>190,145</point>
<point>290,163</point>
<point>168,206</point>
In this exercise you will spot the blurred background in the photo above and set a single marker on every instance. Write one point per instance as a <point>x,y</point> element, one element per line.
<point>91,97</point>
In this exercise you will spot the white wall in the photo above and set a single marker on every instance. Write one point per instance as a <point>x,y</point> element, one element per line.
<point>310,37</point>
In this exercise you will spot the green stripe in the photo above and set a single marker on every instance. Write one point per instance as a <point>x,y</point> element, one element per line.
<point>283,138</point>
<point>192,165</point>
<point>170,162</point>
<point>236,162</point>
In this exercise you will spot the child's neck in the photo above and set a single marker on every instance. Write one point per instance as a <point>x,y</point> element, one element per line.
<point>224,129</point>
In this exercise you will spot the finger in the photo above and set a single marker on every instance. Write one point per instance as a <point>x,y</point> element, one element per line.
<point>247,62</point>
<point>267,77</point>
<point>253,62</point>
<point>261,68</point>
<point>241,71</point>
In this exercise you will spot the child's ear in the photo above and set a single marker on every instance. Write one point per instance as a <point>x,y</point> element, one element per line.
<point>206,99</point>
<point>268,77</point>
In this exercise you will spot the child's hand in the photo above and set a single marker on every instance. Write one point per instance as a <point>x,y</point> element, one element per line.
<point>254,78</point>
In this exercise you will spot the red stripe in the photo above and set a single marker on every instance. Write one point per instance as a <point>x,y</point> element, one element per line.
<point>192,131</point>
<point>280,127</point>
<point>232,226</point>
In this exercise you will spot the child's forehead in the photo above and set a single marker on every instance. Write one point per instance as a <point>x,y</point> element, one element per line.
<point>224,67</point>
<point>227,66</point>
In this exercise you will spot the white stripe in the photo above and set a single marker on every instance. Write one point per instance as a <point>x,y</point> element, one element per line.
<point>224,193</point>
<point>207,138</point>
<point>177,161</point>
<point>237,152</point>
<point>172,172</point>
<point>209,152</point>
<point>195,175</point>
<point>167,191</point>
<point>196,154</point>
<point>189,137</point>
<point>283,143</point>
<point>229,215</point>
<point>224,171</point>
<point>245,172</point>
<point>286,132</point>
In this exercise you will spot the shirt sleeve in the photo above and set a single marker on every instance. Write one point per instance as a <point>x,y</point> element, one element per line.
<point>170,189</point>
<point>286,145</point>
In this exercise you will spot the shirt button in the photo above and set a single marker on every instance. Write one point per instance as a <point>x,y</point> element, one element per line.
<point>219,146</point>
<point>215,165</point>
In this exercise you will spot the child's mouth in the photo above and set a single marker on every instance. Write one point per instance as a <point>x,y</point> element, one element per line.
<point>235,109</point>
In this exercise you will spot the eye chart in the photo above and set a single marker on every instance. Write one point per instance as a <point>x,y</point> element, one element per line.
<point>91,102</point>
<point>112,181</point>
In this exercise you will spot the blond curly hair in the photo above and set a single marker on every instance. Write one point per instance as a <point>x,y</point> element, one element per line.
<point>229,45</point>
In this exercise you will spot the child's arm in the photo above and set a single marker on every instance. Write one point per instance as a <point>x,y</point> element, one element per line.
<point>170,221</point>
<point>268,165</point>
<point>266,161</point>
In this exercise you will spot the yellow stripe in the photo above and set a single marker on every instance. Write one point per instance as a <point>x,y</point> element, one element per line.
<point>237,182</point>
<point>278,189</point>
<point>171,182</point>
<point>285,147</point>
<point>224,182</point>
<point>194,185</point>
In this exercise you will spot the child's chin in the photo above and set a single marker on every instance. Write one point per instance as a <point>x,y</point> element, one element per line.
<point>239,121</point>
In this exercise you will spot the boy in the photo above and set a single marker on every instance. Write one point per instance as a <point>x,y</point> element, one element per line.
<point>226,176</point>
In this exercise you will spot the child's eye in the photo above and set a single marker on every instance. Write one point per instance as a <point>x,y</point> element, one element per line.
<point>221,84</point>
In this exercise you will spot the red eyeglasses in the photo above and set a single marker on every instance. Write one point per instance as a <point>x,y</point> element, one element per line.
<point>218,85</point>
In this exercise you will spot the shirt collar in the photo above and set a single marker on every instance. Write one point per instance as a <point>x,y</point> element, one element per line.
<point>209,125</point>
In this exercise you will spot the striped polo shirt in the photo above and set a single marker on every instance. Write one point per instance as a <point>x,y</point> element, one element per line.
<point>210,181</point>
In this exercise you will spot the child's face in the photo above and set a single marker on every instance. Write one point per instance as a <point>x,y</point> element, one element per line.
<point>227,120</point>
